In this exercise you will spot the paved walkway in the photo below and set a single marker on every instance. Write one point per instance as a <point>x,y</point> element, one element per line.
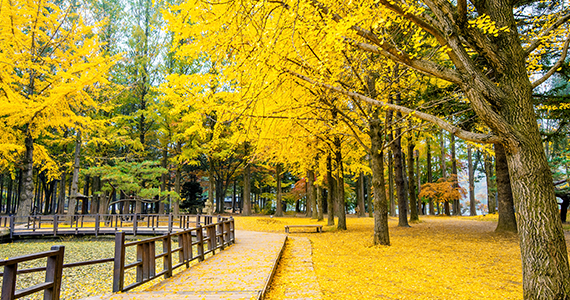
<point>242,271</point>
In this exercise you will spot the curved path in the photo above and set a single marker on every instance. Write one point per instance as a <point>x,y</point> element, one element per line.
<point>242,271</point>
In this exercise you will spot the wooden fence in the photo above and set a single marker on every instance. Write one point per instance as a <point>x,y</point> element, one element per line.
<point>206,238</point>
<point>143,224</point>
<point>52,284</point>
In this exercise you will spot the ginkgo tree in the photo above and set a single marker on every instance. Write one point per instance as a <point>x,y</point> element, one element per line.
<point>474,45</point>
<point>49,65</point>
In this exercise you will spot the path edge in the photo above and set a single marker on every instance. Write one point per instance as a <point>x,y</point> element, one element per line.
<point>263,292</point>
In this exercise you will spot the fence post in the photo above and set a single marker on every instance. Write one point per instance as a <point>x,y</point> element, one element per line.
<point>12,227</point>
<point>54,269</point>
<point>169,223</point>
<point>198,220</point>
<point>97,224</point>
<point>135,224</point>
<point>9,281</point>
<point>232,230</point>
<point>55,224</point>
<point>167,248</point>
<point>119,262</point>
<point>200,245</point>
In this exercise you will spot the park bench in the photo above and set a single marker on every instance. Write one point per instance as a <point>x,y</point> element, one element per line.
<point>318,227</point>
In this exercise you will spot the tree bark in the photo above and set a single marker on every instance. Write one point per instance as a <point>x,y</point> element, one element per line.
<point>429,174</point>
<point>331,192</point>
<point>163,177</point>
<point>320,205</point>
<point>421,205</point>
<point>247,191</point>
<point>359,197</point>
<point>312,194</point>
<point>491,202</point>
<point>456,204</point>
<point>381,233</point>
<point>391,184</point>
<point>411,181</point>
<point>341,213</point>
<point>443,170</point>
<point>27,190</point>
<point>507,219</point>
<point>472,208</point>
<point>278,204</point>
<point>209,208</point>
<point>75,177</point>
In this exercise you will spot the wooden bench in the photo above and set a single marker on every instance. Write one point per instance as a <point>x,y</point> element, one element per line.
<point>319,227</point>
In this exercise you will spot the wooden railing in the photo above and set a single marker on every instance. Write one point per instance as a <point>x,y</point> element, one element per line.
<point>99,224</point>
<point>206,239</point>
<point>52,284</point>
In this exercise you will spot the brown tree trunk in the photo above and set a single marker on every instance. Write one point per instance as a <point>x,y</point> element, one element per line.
<point>320,205</point>
<point>381,233</point>
<point>456,204</point>
<point>75,177</point>
<point>331,191</point>
<point>279,203</point>
<point>411,181</point>
<point>421,206</point>
<point>341,213</point>
<point>472,208</point>
<point>429,174</point>
<point>247,191</point>
<point>507,219</point>
<point>491,202</point>
<point>312,195</point>
<point>391,184</point>
<point>163,177</point>
<point>360,184</point>
<point>177,189</point>
<point>27,190</point>
<point>443,168</point>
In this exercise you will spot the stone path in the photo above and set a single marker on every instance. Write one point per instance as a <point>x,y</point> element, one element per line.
<point>296,277</point>
<point>242,271</point>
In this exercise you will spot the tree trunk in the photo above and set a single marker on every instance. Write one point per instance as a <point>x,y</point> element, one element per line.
<point>27,190</point>
<point>75,177</point>
<point>331,192</point>
<point>279,204</point>
<point>381,233</point>
<point>341,213</point>
<point>421,206</point>
<point>61,197</point>
<point>311,195</point>
<point>399,179</point>
<point>472,208</point>
<point>491,203</point>
<point>456,204</point>
<point>411,181</point>
<point>443,170</point>
<point>429,174</point>
<point>96,188</point>
<point>320,202</point>
<point>360,188</point>
<point>391,184</point>
<point>85,201</point>
<point>177,189</point>
<point>209,208</point>
<point>507,218</point>
<point>163,177</point>
<point>234,198</point>
<point>247,191</point>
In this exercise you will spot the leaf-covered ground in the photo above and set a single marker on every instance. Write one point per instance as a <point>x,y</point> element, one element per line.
<point>438,258</point>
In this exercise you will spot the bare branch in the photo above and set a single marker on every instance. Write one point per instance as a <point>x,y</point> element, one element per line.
<point>557,65</point>
<point>460,133</point>
<point>539,40</point>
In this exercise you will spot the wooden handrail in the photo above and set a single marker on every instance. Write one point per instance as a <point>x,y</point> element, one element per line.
<point>52,284</point>
<point>217,236</point>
